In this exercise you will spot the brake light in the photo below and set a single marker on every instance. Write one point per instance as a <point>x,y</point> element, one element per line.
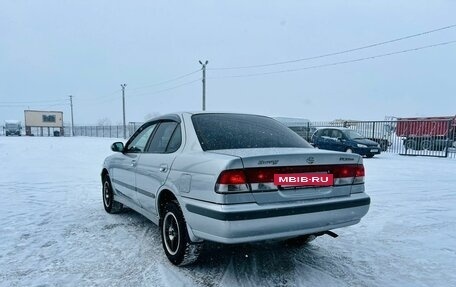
<point>348,174</point>
<point>359,177</point>
<point>232,181</point>
<point>232,177</point>
<point>262,179</point>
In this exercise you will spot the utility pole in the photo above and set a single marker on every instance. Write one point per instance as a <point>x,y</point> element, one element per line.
<point>123,107</point>
<point>204,82</point>
<point>72,122</point>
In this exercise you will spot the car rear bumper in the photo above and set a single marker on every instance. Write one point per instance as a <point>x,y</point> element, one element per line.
<point>249,222</point>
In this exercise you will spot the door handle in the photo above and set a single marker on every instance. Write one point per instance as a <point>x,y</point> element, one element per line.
<point>163,168</point>
<point>133,163</point>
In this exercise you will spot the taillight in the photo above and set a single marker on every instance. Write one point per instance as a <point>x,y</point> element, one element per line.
<point>359,177</point>
<point>262,179</point>
<point>232,181</point>
<point>348,174</point>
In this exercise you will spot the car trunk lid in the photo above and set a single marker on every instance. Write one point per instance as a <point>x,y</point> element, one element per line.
<point>260,166</point>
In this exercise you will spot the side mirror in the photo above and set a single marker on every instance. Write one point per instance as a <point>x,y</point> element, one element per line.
<point>117,147</point>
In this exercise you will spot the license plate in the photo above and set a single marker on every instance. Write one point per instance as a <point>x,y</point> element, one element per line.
<point>374,150</point>
<point>303,179</point>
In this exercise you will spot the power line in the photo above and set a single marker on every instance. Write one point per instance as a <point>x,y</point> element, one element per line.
<point>337,53</point>
<point>168,89</point>
<point>167,81</point>
<point>33,102</point>
<point>34,105</point>
<point>336,63</point>
<point>109,95</point>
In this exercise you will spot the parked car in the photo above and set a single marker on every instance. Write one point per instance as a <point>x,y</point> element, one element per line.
<point>12,127</point>
<point>210,176</point>
<point>345,140</point>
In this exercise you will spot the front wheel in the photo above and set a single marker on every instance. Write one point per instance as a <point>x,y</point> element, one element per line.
<point>109,204</point>
<point>411,144</point>
<point>176,243</point>
<point>349,150</point>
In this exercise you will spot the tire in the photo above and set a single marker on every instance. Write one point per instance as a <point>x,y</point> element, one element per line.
<point>426,145</point>
<point>410,144</point>
<point>110,205</point>
<point>349,150</point>
<point>370,156</point>
<point>176,243</point>
<point>300,240</point>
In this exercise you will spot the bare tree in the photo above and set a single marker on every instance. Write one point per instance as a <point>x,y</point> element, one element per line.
<point>104,122</point>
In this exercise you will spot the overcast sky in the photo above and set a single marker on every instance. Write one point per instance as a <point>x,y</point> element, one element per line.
<point>52,49</point>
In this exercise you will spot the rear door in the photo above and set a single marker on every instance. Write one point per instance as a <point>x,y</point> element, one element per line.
<point>324,139</point>
<point>154,165</point>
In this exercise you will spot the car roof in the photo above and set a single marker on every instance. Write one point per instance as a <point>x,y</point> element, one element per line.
<point>176,116</point>
<point>337,128</point>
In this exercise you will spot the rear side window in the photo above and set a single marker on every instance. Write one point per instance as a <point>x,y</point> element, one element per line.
<point>162,137</point>
<point>236,131</point>
<point>175,141</point>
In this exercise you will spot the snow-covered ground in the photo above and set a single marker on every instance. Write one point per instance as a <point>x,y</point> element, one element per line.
<point>54,231</point>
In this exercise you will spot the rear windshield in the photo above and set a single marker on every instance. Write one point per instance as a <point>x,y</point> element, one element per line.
<point>235,131</point>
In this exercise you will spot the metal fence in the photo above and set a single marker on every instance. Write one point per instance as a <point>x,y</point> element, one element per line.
<point>103,131</point>
<point>436,138</point>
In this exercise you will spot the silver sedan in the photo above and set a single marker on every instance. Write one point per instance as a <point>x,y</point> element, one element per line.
<point>231,178</point>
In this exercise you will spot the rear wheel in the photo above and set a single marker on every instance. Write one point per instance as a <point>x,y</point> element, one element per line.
<point>176,243</point>
<point>109,204</point>
<point>426,145</point>
<point>370,156</point>
<point>349,150</point>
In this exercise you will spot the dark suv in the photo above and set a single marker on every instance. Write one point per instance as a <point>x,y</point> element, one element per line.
<point>344,139</point>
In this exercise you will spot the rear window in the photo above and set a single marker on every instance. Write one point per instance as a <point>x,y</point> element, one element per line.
<point>235,131</point>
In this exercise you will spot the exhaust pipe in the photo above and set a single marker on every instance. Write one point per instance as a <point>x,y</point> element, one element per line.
<point>330,233</point>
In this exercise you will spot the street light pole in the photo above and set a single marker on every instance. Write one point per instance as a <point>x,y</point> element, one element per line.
<point>204,82</point>
<point>123,108</point>
<point>72,122</point>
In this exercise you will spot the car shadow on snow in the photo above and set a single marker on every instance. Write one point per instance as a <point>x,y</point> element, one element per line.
<point>274,263</point>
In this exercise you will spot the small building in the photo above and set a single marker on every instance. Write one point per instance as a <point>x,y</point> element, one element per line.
<point>42,123</point>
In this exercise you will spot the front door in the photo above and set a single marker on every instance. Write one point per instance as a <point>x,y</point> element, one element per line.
<point>123,174</point>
